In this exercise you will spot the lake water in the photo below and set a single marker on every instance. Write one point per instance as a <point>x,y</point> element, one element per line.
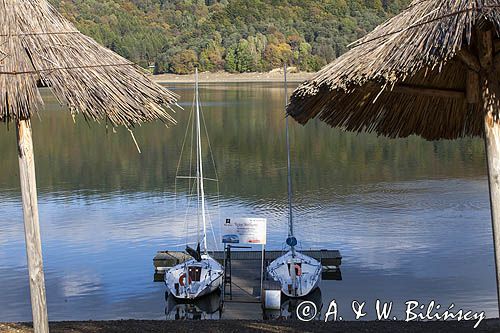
<point>410,217</point>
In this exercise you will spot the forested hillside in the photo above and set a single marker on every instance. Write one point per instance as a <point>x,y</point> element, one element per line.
<point>232,35</point>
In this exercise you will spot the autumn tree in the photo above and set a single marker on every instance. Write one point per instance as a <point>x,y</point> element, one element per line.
<point>184,62</point>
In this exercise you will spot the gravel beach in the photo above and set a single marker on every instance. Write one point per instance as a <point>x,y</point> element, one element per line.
<point>492,325</point>
<point>225,77</point>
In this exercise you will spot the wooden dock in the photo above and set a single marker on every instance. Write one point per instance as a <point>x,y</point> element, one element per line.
<point>328,258</point>
<point>241,295</point>
<point>242,292</point>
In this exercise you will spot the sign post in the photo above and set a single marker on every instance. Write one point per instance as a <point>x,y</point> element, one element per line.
<point>262,271</point>
<point>247,231</point>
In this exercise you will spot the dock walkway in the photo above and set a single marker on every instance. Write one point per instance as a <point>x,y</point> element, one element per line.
<point>171,258</point>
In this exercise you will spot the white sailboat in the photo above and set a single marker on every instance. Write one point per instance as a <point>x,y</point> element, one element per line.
<point>200,275</point>
<point>297,273</point>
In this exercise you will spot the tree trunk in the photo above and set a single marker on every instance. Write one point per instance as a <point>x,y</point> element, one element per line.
<point>32,227</point>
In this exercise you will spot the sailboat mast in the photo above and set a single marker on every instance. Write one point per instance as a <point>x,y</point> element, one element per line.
<point>289,165</point>
<point>199,167</point>
<point>197,163</point>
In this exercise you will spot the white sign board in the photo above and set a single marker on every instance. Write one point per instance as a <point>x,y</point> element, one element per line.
<point>244,231</point>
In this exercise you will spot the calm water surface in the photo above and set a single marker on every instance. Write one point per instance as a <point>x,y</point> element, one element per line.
<point>410,217</point>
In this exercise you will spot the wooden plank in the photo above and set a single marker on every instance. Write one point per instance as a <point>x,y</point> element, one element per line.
<point>492,137</point>
<point>485,49</point>
<point>496,44</point>
<point>238,310</point>
<point>271,285</point>
<point>427,91</point>
<point>490,88</point>
<point>469,60</point>
<point>331,273</point>
<point>496,61</point>
<point>245,279</point>
<point>32,226</point>
<point>472,88</point>
<point>172,258</point>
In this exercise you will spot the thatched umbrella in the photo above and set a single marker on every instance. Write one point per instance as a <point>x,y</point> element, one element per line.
<point>38,47</point>
<point>432,71</point>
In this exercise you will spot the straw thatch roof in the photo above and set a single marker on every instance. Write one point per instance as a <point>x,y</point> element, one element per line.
<point>408,76</point>
<point>40,47</point>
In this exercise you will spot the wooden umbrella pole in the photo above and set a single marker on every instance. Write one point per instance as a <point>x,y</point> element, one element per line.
<point>31,226</point>
<point>490,89</point>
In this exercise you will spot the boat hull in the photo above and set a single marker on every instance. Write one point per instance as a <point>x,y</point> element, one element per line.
<point>305,279</point>
<point>194,279</point>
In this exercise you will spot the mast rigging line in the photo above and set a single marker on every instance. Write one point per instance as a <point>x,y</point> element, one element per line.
<point>195,182</point>
<point>216,178</point>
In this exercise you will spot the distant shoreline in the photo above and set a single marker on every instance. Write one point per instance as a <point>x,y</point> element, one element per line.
<point>225,77</point>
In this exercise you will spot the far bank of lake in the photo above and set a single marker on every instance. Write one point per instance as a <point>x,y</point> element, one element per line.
<point>225,77</point>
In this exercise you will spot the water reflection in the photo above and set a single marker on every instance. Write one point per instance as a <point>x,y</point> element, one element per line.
<point>208,307</point>
<point>411,217</point>
<point>290,307</point>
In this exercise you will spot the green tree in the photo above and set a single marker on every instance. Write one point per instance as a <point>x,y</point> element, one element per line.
<point>184,62</point>
<point>242,57</point>
<point>245,57</point>
<point>212,57</point>
<point>231,62</point>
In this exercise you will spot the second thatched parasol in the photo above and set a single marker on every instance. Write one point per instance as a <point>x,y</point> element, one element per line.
<point>38,47</point>
<point>432,70</point>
